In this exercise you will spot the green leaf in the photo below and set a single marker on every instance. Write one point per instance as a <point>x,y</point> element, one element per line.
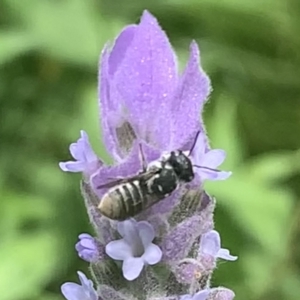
<point>222,131</point>
<point>271,167</point>
<point>14,44</point>
<point>261,211</point>
<point>27,263</point>
<point>69,30</point>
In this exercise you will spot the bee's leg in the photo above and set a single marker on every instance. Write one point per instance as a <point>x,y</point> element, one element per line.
<point>142,157</point>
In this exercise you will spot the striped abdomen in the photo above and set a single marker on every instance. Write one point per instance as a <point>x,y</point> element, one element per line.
<point>124,200</point>
<point>130,198</point>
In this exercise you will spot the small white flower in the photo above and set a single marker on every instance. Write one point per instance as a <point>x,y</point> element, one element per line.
<point>83,291</point>
<point>208,161</point>
<point>135,249</point>
<point>86,160</point>
<point>210,245</point>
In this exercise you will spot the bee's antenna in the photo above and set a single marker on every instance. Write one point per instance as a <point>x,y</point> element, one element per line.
<point>207,168</point>
<point>143,160</point>
<point>194,143</point>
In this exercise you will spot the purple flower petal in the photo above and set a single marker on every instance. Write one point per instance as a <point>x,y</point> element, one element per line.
<point>132,267</point>
<point>72,166</point>
<point>224,254</point>
<point>89,154</point>
<point>119,130</point>
<point>202,295</point>
<point>84,236</point>
<point>147,79</point>
<point>131,249</point>
<point>88,243</point>
<point>210,243</point>
<point>118,250</point>
<point>109,108</point>
<point>85,282</point>
<point>190,97</point>
<point>213,175</point>
<point>186,297</point>
<point>208,161</point>
<point>121,45</point>
<point>89,249</point>
<point>152,254</point>
<point>146,233</point>
<point>129,230</point>
<point>213,158</point>
<point>76,151</point>
<point>74,291</point>
<point>86,159</point>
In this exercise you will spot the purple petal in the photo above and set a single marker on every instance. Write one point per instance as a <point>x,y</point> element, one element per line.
<point>72,166</point>
<point>85,236</point>
<point>87,255</point>
<point>213,158</point>
<point>87,150</point>
<point>147,78</point>
<point>129,230</point>
<point>199,149</point>
<point>224,254</point>
<point>118,250</point>
<point>212,175</point>
<point>108,108</point>
<point>210,243</point>
<point>132,267</point>
<point>86,159</point>
<point>87,243</point>
<point>126,226</point>
<point>118,52</point>
<point>85,282</point>
<point>190,97</point>
<point>76,151</point>
<point>146,233</point>
<point>186,297</point>
<point>152,254</point>
<point>73,291</point>
<point>202,295</point>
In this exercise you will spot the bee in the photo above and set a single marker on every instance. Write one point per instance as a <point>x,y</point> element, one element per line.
<point>127,197</point>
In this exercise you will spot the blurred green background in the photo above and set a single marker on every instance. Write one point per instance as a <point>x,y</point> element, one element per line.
<point>49,53</point>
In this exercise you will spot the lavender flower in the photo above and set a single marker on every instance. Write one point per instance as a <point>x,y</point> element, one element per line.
<point>83,291</point>
<point>139,74</point>
<point>146,103</point>
<point>210,247</point>
<point>86,160</point>
<point>135,249</point>
<point>88,248</point>
<point>209,161</point>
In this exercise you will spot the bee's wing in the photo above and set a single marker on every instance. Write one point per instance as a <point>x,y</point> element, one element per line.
<point>142,176</point>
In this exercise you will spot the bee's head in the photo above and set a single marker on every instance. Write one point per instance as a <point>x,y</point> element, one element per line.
<point>182,166</point>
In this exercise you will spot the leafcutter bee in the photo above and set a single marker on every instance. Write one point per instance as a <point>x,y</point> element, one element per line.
<point>126,197</point>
